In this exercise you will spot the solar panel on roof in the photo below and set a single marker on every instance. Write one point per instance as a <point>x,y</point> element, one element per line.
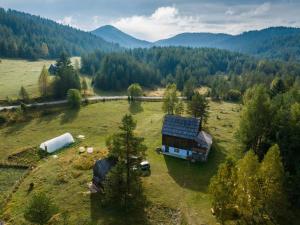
<point>180,126</point>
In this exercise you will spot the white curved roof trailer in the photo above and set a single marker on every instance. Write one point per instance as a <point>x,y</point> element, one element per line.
<point>57,143</point>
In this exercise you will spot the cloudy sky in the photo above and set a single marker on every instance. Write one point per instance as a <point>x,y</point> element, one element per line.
<point>154,19</point>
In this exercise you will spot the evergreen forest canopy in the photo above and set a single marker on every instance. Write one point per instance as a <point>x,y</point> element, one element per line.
<point>26,36</point>
<point>158,66</point>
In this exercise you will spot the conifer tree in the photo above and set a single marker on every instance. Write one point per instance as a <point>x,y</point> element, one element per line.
<point>129,150</point>
<point>198,107</point>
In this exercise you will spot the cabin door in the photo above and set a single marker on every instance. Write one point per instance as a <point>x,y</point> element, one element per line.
<point>167,148</point>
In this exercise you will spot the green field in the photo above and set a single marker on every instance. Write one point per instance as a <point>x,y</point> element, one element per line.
<point>8,178</point>
<point>173,183</point>
<point>17,73</point>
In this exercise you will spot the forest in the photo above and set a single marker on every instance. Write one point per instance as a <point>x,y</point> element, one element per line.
<point>31,37</point>
<point>223,71</point>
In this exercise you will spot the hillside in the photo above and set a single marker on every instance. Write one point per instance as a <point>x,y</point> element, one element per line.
<point>275,42</point>
<point>194,40</point>
<point>27,36</point>
<point>114,35</point>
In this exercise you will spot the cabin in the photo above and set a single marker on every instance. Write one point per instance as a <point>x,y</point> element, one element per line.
<point>182,137</point>
<point>57,143</point>
<point>52,69</point>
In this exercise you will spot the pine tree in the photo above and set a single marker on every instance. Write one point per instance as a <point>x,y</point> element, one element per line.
<point>198,107</point>
<point>44,82</point>
<point>129,150</point>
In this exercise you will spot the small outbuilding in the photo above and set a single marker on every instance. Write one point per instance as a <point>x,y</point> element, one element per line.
<point>101,169</point>
<point>57,143</point>
<point>183,138</point>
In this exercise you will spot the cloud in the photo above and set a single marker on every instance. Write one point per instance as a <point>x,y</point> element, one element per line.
<point>258,10</point>
<point>68,20</point>
<point>163,22</point>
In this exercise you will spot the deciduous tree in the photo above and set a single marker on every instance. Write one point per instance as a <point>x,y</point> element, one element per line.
<point>44,82</point>
<point>255,120</point>
<point>170,99</point>
<point>74,98</point>
<point>23,94</point>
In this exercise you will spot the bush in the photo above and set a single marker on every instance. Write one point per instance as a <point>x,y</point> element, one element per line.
<point>40,209</point>
<point>74,98</point>
<point>234,95</point>
<point>3,120</point>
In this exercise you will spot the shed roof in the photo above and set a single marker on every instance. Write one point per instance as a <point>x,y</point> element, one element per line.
<point>182,127</point>
<point>102,167</point>
<point>204,140</point>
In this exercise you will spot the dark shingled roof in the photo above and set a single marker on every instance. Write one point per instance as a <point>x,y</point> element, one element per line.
<point>182,127</point>
<point>101,169</point>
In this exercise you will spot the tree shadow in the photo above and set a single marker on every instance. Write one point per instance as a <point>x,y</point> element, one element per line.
<point>48,116</point>
<point>13,128</point>
<point>195,176</point>
<point>69,116</point>
<point>115,215</point>
<point>135,107</point>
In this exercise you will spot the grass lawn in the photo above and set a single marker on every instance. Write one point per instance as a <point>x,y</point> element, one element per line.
<point>8,177</point>
<point>17,73</point>
<point>173,182</point>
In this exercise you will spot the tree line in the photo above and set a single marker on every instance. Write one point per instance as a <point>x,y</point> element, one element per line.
<point>31,37</point>
<point>262,187</point>
<point>228,74</point>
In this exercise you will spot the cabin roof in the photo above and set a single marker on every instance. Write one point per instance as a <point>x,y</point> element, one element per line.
<point>181,127</point>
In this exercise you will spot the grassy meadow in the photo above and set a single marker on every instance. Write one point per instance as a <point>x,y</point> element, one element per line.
<point>171,179</point>
<point>17,73</point>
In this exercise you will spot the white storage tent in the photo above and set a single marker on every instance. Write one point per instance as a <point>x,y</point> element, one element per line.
<point>57,143</point>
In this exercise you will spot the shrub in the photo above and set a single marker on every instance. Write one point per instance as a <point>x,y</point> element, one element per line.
<point>234,95</point>
<point>40,209</point>
<point>74,98</point>
<point>3,120</point>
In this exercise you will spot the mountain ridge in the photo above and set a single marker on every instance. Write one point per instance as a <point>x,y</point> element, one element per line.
<point>114,35</point>
<point>273,42</point>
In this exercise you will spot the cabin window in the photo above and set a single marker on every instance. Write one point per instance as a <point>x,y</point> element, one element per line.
<point>176,150</point>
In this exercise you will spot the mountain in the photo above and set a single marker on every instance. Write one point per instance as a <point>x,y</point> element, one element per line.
<point>275,42</point>
<point>27,36</point>
<point>114,35</point>
<point>194,40</point>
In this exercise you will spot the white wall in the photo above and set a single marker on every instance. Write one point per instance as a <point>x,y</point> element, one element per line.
<point>183,153</point>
